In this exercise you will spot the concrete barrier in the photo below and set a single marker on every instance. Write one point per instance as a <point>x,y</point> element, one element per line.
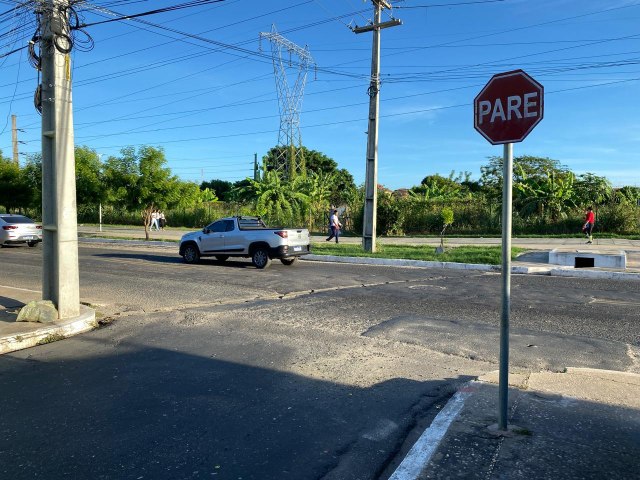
<point>585,258</point>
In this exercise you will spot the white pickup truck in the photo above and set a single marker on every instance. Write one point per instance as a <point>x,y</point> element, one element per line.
<point>245,237</point>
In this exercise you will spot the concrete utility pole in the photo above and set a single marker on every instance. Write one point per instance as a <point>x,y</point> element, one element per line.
<point>14,139</point>
<point>256,169</point>
<point>60,273</point>
<point>371,179</point>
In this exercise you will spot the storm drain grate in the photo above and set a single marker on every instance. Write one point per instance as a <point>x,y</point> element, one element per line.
<point>584,262</point>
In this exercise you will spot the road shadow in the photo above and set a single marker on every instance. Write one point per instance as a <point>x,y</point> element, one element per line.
<point>9,308</point>
<point>150,257</point>
<point>131,411</point>
<point>9,302</point>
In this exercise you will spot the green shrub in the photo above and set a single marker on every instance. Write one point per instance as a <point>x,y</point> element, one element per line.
<point>621,218</point>
<point>389,215</point>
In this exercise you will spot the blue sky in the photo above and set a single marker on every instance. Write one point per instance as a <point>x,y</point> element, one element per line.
<point>210,100</point>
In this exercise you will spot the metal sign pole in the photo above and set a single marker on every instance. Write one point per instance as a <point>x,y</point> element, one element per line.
<point>518,91</point>
<point>507,181</point>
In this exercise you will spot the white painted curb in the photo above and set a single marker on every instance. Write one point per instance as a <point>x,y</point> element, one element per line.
<point>82,323</point>
<point>400,262</point>
<point>601,274</point>
<point>422,451</point>
<point>517,269</point>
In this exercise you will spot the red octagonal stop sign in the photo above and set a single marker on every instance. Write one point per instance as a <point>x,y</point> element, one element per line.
<point>508,107</point>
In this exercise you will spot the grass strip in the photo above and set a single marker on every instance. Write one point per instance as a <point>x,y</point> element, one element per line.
<point>489,255</point>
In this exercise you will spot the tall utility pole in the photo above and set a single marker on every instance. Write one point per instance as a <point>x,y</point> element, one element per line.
<point>14,139</point>
<point>371,179</point>
<point>60,273</point>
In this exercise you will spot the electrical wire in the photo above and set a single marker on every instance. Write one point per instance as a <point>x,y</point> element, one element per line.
<point>193,3</point>
<point>237,49</point>
<point>577,68</point>
<point>335,122</point>
<point>436,5</point>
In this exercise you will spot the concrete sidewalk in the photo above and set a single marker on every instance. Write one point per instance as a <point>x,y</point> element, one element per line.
<point>580,424</point>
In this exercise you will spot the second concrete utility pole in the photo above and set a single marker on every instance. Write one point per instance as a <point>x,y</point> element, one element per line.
<point>371,178</point>
<point>14,139</point>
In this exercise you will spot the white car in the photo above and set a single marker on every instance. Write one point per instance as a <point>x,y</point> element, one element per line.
<point>18,229</point>
<point>245,237</point>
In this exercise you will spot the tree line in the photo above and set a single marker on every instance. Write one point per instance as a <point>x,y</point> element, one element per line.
<point>548,198</point>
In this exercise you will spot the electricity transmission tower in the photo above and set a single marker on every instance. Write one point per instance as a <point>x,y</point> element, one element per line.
<point>290,159</point>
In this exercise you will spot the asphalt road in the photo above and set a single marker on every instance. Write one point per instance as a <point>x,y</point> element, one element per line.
<point>317,370</point>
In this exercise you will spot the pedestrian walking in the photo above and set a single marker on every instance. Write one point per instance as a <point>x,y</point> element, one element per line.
<point>335,226</point>
<point>589,222</point>
<point>162,220</point>
<point>154,220</point>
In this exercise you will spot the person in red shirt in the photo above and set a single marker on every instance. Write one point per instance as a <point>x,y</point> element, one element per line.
<point>589,221</point>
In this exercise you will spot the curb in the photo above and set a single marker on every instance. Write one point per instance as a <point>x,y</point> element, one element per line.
<point>427,444</point>
<point>599,274</point>
<point>517,269</point>
<point>82,323</point>
<point>402,263</point>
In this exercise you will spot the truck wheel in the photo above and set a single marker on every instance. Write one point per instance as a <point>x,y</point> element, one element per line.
<point>289,261</point>
<point>222,258</point>
<point>32,244</point>
<point>260,258</point>
<point>191,254</point>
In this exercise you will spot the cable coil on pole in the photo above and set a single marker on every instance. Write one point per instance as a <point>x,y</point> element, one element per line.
<point>65,30</point>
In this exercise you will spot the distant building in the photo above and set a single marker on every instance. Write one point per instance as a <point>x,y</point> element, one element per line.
<point>401,193</point>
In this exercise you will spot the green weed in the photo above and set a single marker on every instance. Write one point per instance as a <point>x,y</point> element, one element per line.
<point>53,337</point>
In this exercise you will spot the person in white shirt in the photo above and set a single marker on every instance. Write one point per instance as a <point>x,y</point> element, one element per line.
<point>335,225</point>
<point>154,220</point>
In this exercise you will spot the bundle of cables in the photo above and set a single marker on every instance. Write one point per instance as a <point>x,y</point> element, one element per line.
<point>66,33</point>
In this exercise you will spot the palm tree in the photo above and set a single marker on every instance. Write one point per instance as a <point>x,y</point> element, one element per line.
<point>279,201</point>
<point>549,194</point>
